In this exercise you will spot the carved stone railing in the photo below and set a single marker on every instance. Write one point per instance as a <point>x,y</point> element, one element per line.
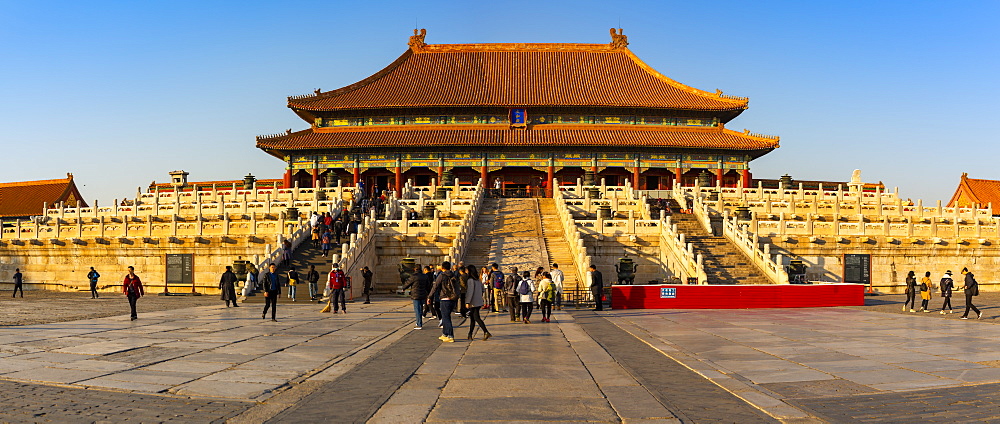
<point>749,244</point>
<point>467,228</point>
<point>678,255</point>
<point>573,235</point>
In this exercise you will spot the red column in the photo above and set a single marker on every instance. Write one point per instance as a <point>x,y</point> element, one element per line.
<point>746,178</point>
<point>635,178</point>
<point>719,173</point>
<point>399,181</point>
<point>679,175</point>
<point>484,174</point>
<point>357,175</point>
<point>288,178</point>
<point>550,174</point>
<point>315,177</point>
<point>440,175</point>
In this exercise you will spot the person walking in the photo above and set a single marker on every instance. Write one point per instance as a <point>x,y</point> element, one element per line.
<point>272,289</point>
<point>463,281</point>
<point>227,283</point>
<point>337,283</point>
<point>496,281</point>
<point>92,276</point>
<point>596,287</point>
<point>474,303</point>
<point>925,291</point>
<point>313,278</point>
<point>971,289</point>
<point>446,288</point>
<point>911,292</point>
<point>434,307</point>
<point>525,295</point>
<point>557,278</point>
<point>546,296</point>
<point>367,275</point>
<point>132,287</point>
<point>417,283</point>
<point>251,284</point>
<point>947,284</point>
<point>510,284</point>
<point>18,283</point>
<point>293,282</point>
<point>326,242</point>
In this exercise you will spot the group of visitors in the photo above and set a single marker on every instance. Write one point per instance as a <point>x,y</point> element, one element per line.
<point>947,285</point>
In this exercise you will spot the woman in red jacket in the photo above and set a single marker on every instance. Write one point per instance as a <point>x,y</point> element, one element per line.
<point>132,287</point>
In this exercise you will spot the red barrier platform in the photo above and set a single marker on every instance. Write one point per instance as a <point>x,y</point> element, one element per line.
<point>736,296</point>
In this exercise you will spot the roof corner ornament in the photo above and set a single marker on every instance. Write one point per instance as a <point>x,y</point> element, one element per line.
<point>317,91</point>
<point>618,39</point>
<point>288,131</point>
<point>718,92</point>
<point>417,39</point>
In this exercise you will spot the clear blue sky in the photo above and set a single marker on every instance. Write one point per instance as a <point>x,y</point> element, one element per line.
<point>121,93</point>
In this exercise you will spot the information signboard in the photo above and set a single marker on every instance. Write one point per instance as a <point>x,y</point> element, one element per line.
<point>668,292</point>
<point>858,268</point>
<point>180,269</point>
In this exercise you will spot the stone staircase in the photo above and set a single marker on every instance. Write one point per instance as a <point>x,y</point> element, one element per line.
<point>724,263</point>
<point>304,256</point>
<point>508,232</point>
<point>479,252</point>
<point>556,246</point>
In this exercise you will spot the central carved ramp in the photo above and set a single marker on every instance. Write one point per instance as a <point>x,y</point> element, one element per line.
<point>508,232</point>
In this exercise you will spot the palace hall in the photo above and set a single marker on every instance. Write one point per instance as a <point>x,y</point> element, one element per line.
<point>518,115</point>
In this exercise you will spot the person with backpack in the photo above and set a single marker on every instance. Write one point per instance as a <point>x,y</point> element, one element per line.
<point>496,283</point>
<point>971,289</point>
<point>911,292</point>
<point>418,292</point>
<point>446,288</point>
<point>93,276</point>
<point>925,291</point>
<point>474,303</point>
<point>525,295</point>
<point>510,292</point>
<point>946,286</point>
<point>293,282</point>
<point>313,278</point>
<point>546,296</point>
<point>326,242</point>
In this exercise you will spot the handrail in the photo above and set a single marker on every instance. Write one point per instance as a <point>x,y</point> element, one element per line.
<point>576,244</point>
<point>467,229</point>
<point>748,243</point>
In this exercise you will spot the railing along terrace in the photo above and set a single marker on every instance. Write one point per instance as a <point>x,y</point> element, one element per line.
<point>467,228</point>
<point>579,190</point>
<point>572,233</point>
<point>434,225</point>
<point>898,227</point>
<point>678,254</point>
<point>749,243</point>
<point>352,252</point>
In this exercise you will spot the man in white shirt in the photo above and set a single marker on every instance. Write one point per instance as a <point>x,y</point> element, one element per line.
<point>557,279</point>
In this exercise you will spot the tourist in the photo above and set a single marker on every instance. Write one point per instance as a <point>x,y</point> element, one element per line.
<point>314,220</point>
<point>971,289</point>
<point>315,236</point>
<point>326,242</point>
<point>557,279</point>
<point>418,292</point>
<point>496,278</point>
<point>328,221</point>
<point>337,283</point>
<point>286,252</point>
<point>446,288</point>
<point>272,289</point>
<point>367,275</point>
<point>18,282</point>
<point>546,296</point>
<point>596,280</point>
<point>474,303</point>
<point>251,284</point>
<point>427,278</point>
<point>510,292</point>
<point>925,291</point>
<point>946,286</point>
<point>293,282</point>
<point>338,229</point>
<point>132,287</point>
<point>92,276</point>
<point>911,292</point>
<point>538,273</point>
<point>227,284</point>
<point>525,295</point>
<point>313,277</point>
<point>463,281</point>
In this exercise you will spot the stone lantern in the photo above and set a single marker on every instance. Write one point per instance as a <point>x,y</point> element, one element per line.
<point>604,211</point>
<point>626,271</point>
<point>330,180</point>
<point>406,269</point>
<point>249,181</point>
<point>786,181</point>
<point>428,211</point>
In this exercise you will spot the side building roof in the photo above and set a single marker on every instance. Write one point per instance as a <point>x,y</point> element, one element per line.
<point>28,198</point>
<point>518,74</point>
<point>973,191</point>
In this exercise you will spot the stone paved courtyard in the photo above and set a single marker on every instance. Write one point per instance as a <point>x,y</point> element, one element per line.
<point>215,364</point>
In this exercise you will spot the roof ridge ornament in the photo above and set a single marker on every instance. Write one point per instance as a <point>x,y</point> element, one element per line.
<point>618,39</point>
<point>417,43</point>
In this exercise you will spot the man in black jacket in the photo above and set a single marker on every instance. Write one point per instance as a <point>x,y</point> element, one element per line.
<point>597,287</point>
<point>418,292</point>
<point>272,289</point>
<point>447,289</point>
<point>227,284</point>
<point>971,289</point>
<point>313,277</point>
<point>510,292</point>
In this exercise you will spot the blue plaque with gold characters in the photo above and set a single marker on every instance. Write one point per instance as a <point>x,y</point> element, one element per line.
<point>518,116</point>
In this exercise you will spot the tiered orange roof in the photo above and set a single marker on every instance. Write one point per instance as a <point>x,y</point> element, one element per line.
<point>563,135</point>
<point>28,198</point>
<point>530,74</point>
<point>972,192</point>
